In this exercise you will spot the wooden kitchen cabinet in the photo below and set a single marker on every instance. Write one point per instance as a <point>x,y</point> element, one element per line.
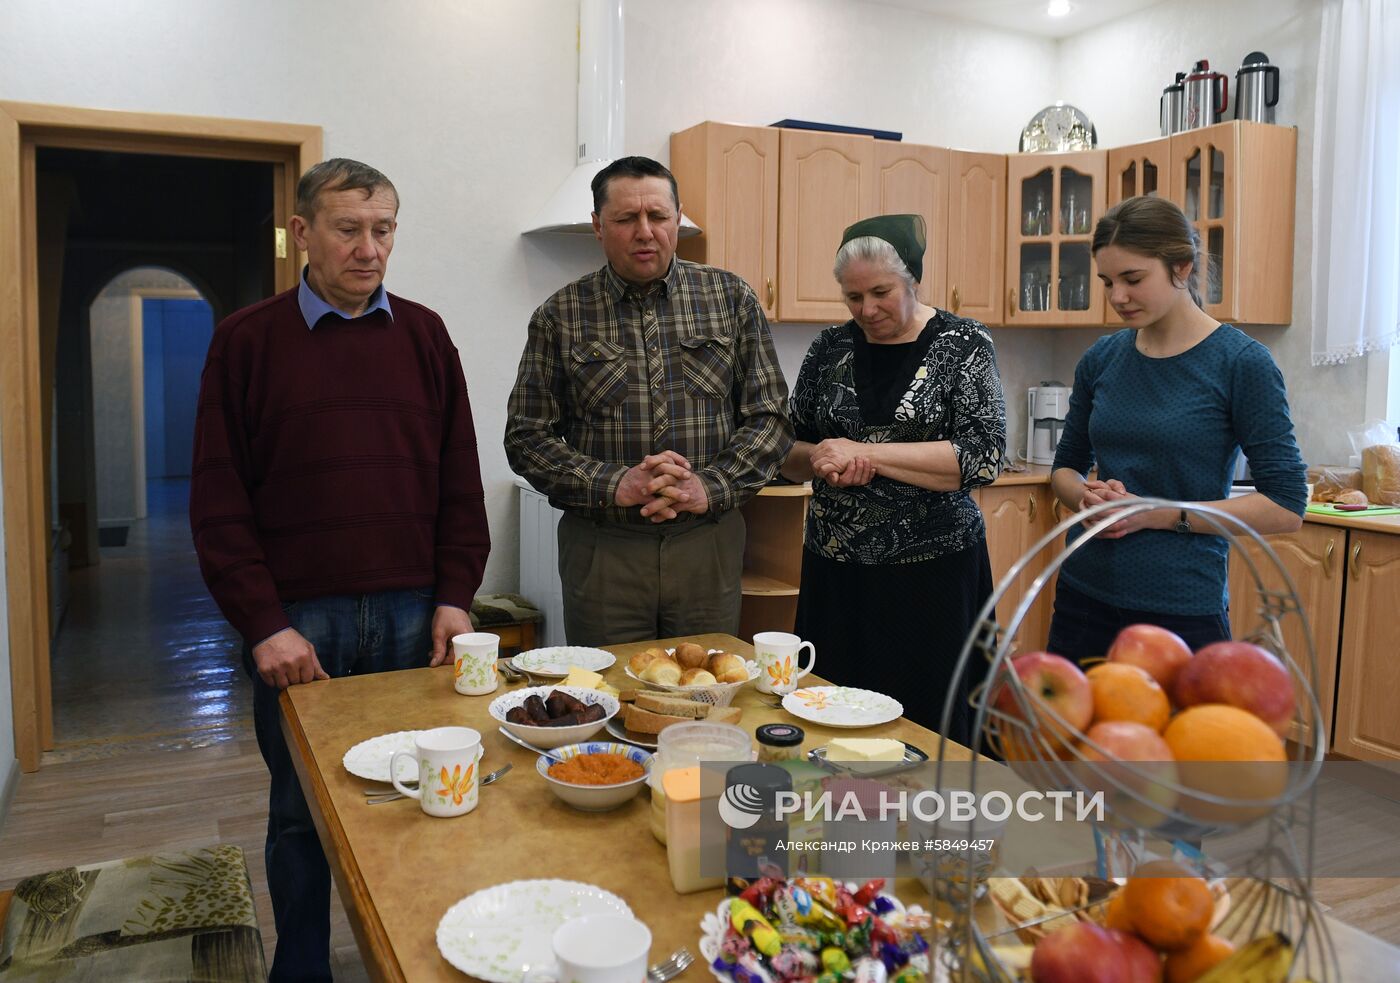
<point>1313,557</point>
<point>728,178</point>
<point>911,178</point>
<point>1053,201</point>
<point>826,181</point>
<point>1139,169</point>
<point>1367,726</point>
<point>1017,516</point>
<point>976,236</point>
<point>772,575</point>
<point>1236,183</point>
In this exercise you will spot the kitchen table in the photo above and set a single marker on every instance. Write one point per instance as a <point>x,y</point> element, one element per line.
<point>399,870</point>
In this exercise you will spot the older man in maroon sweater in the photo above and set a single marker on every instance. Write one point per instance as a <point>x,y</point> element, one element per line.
<point>336,499</point>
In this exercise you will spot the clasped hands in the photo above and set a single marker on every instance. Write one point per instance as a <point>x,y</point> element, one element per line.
<point>664,486</point>
<point>841,462</point>
<point>1097,492</point>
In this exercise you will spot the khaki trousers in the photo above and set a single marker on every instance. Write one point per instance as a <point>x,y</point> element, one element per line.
<point>633,584</point>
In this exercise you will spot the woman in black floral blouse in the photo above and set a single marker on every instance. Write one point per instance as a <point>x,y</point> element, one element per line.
<point>898,413</point>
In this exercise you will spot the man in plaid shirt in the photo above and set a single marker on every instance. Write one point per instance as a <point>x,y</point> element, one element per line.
<point>648,406</point>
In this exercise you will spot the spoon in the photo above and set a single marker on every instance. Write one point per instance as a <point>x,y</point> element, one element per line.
<point>528,746</point>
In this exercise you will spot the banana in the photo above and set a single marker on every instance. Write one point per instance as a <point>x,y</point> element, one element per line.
<point>1267,959</point>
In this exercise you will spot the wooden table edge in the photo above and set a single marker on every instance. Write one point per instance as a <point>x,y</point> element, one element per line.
<point>369,931</point>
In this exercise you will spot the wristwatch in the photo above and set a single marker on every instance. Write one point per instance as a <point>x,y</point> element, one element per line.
<point>1183,524</point>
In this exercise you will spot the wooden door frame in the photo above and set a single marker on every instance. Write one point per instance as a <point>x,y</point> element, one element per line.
<point>24,127</point>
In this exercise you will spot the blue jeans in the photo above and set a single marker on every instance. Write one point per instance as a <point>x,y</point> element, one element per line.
<point>1083,628</point>
<point>353,634</point>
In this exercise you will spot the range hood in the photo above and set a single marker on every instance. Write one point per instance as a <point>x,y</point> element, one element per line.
<point>569,211</point>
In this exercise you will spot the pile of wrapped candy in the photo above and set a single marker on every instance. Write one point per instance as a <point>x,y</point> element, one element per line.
<point>816,930</point>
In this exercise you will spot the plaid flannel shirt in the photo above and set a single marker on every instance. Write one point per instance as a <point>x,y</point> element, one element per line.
<point>613,372</point>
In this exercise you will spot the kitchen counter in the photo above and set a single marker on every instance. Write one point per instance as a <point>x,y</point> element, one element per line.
<point>1039,474</point>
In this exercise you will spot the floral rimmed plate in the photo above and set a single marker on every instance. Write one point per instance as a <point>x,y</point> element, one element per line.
<point>842,706</point>
<point>500,932</point>
<point>557,660</point>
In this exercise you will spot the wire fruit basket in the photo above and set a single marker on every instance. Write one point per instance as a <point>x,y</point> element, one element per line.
<point>1145,801</point>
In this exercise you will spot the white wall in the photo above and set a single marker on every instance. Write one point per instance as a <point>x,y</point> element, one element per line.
<point>1116,74</point>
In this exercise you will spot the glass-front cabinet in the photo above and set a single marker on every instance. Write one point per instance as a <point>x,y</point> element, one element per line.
<point>1204,186</point>
<point>1138,169</point>
<point>1053,201</point>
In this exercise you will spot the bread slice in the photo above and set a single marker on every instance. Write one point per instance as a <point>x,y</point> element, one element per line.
<point>672,706</point>
<point>649,722</point>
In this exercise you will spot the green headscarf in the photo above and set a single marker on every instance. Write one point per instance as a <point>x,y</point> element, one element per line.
<point>906,233</point>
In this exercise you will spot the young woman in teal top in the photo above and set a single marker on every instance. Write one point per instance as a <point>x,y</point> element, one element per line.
<point>1163,409</point>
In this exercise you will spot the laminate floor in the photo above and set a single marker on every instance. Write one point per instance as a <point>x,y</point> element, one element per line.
<point>153,729</point>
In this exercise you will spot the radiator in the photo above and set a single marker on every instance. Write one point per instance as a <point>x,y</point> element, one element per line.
<point>539,561</point>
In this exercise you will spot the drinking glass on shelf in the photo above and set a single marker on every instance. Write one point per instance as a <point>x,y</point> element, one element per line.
<point>1069,215</point>
<point>1030,294</point>
<point>1079,292</point>
<point>1082,226</point>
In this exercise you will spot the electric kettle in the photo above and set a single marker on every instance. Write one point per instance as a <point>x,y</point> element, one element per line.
<point>1256,88</point>
<point>1205,94</point>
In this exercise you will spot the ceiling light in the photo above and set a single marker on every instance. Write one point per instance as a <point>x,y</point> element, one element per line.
<point>1059,8</point>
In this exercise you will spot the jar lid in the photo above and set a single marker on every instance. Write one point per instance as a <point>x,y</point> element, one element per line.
<point>779,735</point>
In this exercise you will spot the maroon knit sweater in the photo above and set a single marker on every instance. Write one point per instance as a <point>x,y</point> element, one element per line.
<point>335,461</point>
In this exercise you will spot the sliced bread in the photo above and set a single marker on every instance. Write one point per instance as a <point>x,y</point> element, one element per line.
<point>672,706</point>
<point>649,722</point>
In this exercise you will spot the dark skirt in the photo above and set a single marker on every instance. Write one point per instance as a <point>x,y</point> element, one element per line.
<point>898,628</point>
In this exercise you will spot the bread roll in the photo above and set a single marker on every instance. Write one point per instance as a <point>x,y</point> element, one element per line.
<point>662,670</point>
<point>728,668</point>
<point>697,677</point>
<point>691,656</point>
<point>1352,496</point>
<point>643,659</point>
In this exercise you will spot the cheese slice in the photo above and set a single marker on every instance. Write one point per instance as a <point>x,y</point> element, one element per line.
<point>582,678</point>
<point>864,749</point>
<point>610,690</point>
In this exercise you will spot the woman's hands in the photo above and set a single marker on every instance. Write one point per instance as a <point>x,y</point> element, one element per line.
<point>842,463</point>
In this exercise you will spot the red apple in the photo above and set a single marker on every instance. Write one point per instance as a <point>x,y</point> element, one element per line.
<point>1080,953</point>
<point>1242,675</point>
<point>1162,653</point>
<point>1144,965</point>
<point>1053,682</point>
<point>1151,776</point>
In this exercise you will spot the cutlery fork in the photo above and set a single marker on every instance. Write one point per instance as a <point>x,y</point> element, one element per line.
<point>395,794</point>
<point>672,966</point>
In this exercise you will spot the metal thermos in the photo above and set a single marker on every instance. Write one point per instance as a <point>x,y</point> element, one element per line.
<point>1205,96</point>
<point>1256,88</point>
<point>1169,110</point>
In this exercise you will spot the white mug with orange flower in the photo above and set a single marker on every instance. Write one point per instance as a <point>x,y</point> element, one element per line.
<point>447,770</point>
<point>777,654</point>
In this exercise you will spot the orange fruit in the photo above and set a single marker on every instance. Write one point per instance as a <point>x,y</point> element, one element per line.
<point>1168,906</point>
<point>1202,737</point>
<point>1124,692</point>
<point>1115,914</point>
<point>1190,964</point>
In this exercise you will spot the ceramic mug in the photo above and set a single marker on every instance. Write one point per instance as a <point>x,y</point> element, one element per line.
<point>474,663</point>
<point>448,759</point>
<point>777,654</point>
<point>597,949</point>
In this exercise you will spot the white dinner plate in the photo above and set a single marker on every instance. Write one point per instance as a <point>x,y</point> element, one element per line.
<point>558,659</point>
<point>500,932</point>
<point>842,706</point>
<point>370,759</point>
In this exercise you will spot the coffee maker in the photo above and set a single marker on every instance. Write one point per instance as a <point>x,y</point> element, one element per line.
<point>1046,406</point>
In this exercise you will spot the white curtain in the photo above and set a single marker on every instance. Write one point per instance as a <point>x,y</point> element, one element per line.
<point>1356,181</point>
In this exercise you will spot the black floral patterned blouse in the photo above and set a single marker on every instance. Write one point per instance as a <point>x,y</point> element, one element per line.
<point>954,394</point>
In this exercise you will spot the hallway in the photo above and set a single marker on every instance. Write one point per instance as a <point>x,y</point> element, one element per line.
<point>153,731</point>
<point>144,658</point>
